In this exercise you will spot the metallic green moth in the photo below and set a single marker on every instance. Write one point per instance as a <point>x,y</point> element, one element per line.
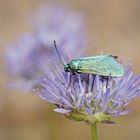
<point>104,65</point>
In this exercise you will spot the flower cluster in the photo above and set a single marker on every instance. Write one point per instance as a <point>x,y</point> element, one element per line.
<point>90,98</point>
<point>28,57</point>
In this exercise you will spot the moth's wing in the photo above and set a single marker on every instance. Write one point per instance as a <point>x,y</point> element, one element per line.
<point>90,64</point>
<point>103,65</point>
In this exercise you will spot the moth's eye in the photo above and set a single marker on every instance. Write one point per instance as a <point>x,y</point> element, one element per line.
<point>68,65</point>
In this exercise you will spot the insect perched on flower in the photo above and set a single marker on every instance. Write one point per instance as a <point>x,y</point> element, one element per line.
<point>90,97</point>
<point>104,65</point>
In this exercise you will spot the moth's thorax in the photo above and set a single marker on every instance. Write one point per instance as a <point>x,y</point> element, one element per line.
<point>72,66</point>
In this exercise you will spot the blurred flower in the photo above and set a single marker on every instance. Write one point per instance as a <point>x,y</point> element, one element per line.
<point>28,57</point>
<point>67,28</point>
<point>25,60</point>
<point>90,98</point>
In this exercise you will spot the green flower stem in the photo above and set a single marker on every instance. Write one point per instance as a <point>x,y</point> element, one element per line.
<point>94,131</point>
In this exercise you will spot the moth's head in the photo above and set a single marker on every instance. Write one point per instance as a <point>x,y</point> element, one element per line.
<point>67,68</point>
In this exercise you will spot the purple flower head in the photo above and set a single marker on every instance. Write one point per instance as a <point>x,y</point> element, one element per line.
<point>90,98</point>
<point>66,27</point>
<point>28,57</point>
<point>25,60</point>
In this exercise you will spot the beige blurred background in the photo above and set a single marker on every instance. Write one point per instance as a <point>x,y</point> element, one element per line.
<point>115,27</point>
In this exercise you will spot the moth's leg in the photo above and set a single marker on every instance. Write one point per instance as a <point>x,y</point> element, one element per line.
<point>69,82</point>
<point>77,72</point>
<point>71,74</point>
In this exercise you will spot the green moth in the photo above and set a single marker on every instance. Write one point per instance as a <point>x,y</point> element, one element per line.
<point>104,65</point>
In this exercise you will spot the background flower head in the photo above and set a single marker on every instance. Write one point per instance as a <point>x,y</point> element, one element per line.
<point>66,27</point>
<point>28,58</point>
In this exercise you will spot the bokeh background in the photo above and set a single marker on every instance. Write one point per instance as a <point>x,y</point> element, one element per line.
<point>114,26</point>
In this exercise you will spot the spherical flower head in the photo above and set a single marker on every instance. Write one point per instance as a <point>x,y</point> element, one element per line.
<point>28,58</point>
<point>90,98</point>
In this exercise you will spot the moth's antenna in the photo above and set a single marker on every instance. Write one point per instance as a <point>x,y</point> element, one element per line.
<point>58,53</point>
